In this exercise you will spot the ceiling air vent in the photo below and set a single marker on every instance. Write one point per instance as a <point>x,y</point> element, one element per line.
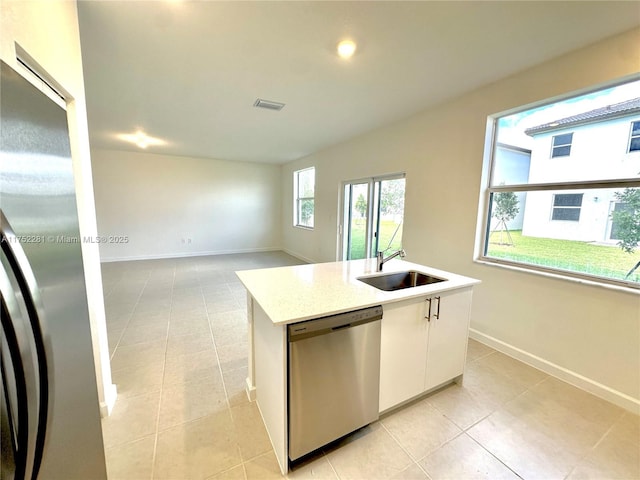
<point>269,105</point>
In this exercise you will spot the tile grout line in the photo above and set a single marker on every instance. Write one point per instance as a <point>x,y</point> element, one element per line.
<point>480,357</point>
<point>413,460</point>
<point>333,469</point>
<point>258,455</point>
<point>164,365</point>
<point>496,409</point>
<point>215,349</point>
<point>224,384</point>
<point>595,445</point>
<point>464,429</point>
<point>462,432</point>
<point>129,442</point>
<point>135,305</point>
<point>526,390</point>
<point>227,470</point>
<point>494,456</point>
<point>501,405</point>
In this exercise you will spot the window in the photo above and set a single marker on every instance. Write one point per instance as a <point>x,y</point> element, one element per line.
<point>304,191</point>
<point>549,216</point>
<point>561,145</point>
<point>634,140</point>
<point>566,206</point>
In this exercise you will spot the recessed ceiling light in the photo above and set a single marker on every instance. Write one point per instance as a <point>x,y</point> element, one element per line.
<point>346,48</point>
<point>141,139</point>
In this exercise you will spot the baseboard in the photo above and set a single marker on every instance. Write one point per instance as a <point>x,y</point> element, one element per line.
<point>298,256</point>
<point>618,398</point>
<point>163,256</point>
<point>110,396</point>
<point>250,390</point>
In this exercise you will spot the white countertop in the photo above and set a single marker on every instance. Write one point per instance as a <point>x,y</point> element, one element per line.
<point>302,292</point>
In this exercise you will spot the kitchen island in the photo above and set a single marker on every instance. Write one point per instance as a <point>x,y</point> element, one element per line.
<point>423,336</point>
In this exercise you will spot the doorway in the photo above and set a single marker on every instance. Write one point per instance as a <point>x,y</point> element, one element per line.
<point>373,214</point>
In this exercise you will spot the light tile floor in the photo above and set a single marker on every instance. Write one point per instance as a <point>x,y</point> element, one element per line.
<point>177,332</point>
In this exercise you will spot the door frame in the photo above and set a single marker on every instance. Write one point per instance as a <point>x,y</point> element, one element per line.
<point>344,212</point>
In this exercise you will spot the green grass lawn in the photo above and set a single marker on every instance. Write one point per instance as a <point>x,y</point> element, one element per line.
<point>387,228</point>
<point>585,257</point>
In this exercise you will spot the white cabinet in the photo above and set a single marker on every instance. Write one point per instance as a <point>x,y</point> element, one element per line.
<point>448,334</point>
<point>424,344</point>
<point>403,352</point>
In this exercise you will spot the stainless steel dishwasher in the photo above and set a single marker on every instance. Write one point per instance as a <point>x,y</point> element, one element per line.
<point>334,377</point>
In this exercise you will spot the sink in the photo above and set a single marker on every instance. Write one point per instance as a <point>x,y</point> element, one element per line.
<point>399,280</point>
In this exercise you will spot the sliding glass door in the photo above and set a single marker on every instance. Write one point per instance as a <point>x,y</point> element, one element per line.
<point>372,216</point>
<point>356,222</point>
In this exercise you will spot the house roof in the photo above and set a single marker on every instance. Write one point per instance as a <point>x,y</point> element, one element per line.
<point>599,114</point>
<point>515,148</point>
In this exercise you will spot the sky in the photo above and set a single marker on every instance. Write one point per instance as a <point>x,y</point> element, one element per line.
<point>511,128</point>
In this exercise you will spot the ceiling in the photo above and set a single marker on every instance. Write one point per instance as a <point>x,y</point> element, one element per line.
<point>189,72</point>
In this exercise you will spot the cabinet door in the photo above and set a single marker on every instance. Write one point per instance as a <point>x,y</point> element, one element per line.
<point>448,335</point>
<point>402,352</point>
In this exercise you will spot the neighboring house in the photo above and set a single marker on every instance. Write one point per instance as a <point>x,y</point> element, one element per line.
<point>512,166</point>
<point>594,145</point>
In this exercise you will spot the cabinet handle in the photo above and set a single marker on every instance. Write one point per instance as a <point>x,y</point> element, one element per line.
<point>428,310</point>
<point>437,315</point>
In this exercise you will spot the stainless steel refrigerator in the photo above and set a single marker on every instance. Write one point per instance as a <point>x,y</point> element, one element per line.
<point>49,411</point>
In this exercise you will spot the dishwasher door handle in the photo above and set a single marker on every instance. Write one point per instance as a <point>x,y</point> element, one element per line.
<point>348,325</point>
<point>341,321</point>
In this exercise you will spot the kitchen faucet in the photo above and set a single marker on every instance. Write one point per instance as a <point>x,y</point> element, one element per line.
<point>381,260</point>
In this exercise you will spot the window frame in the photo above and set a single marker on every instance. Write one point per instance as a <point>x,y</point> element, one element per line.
<point>487,190</point>
<point>485,225</point>
<point>297,199</point>
<point>633,137</point>
<point>561,145</point>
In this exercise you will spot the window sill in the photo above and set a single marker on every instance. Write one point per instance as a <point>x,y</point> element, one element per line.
<point>302,227</point>
<point>558,276</point>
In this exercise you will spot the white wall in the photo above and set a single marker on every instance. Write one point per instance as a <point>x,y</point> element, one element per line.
<point>587,334</point>
<point>593,226</point>
<point>598,150</point>
<point>511,166</point>
<point>159,200</point>
<point>48,32</point>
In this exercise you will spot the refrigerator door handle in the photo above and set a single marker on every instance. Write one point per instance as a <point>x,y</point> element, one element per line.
<point>16,406</point>
<point>26,280</point>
